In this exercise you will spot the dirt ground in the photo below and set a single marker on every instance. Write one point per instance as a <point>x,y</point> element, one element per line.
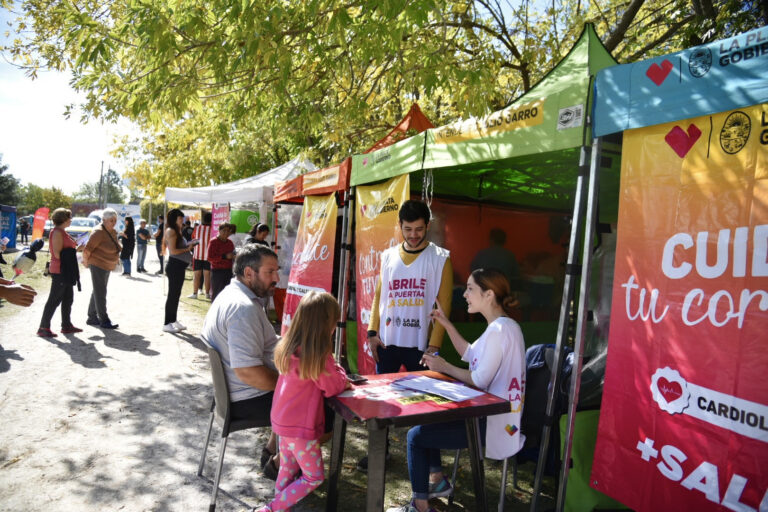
<point>115,420</point>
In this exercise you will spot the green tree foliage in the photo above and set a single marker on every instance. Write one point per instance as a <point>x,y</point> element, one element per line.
<point>223,90</point>
<point>34,197</point>
<point>111,190</point>
<point>10,187</point>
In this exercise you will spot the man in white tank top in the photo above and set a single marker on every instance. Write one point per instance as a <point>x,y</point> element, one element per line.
<point>413,276</point>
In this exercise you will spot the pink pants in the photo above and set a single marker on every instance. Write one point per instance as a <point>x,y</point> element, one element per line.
<point>301,471</point>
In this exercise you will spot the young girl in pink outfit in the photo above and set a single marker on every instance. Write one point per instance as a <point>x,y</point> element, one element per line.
<point>307,374</point>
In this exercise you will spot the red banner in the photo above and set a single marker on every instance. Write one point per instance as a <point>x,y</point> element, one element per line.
<point>38,225</point>
<point>684,418</point>
<point>220,215</point>
<point>312,265</point>
<point>376,230</point>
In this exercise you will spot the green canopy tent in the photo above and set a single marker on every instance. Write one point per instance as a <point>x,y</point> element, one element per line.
<point>532,155</point>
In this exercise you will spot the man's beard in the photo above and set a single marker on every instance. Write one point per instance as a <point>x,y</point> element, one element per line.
<point>263,291</point>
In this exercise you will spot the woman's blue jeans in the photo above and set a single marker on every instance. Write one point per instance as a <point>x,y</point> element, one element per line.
<point>424,445</point>
<point>126,265</point>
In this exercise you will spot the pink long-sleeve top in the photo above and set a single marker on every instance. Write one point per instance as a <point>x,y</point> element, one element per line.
<point>297,407</point>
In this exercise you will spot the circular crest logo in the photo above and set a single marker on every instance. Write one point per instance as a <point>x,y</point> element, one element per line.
<point>700,62</point>
<point>253,220</point>
<point>735,132</point>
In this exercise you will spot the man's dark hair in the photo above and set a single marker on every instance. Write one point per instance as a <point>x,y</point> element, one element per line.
<point>161,217</point>
<point>251,255</point>
<point>411,211</point>
<point>207,217</point>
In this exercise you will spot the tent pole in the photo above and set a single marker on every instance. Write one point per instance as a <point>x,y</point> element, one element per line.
<point>581,319</point>
<point>343,273</point>
<point>571,271</point>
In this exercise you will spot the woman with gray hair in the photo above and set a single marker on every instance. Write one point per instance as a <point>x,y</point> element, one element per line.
<point>101,255</point>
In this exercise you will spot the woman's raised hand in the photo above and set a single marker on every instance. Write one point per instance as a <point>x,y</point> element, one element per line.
<point>438,315</point>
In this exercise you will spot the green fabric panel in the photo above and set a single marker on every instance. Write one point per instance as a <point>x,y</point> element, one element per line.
<point>580,496</point>
<point>400,158</point>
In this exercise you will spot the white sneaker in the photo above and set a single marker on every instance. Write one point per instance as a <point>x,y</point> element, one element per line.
<point>192,296</point>
<point>208,296</point>
<point>170,328</point>
<point>179,326</point>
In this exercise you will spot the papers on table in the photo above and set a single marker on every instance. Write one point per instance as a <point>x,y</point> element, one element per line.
<point>455,391</point>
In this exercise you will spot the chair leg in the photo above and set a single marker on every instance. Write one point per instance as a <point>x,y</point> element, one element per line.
<point>503,490</point>
<point>514,472</point>
<point>223,447</point>
<point>205,446</point>
<point>453,478</point>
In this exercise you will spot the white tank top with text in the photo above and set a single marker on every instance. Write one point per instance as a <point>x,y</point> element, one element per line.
<point>408,294</point>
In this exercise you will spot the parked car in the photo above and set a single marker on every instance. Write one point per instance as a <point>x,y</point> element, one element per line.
<point>80,225</point>
<point>47,228</point>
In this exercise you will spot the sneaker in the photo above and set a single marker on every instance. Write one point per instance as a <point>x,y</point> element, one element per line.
<point>362,464</point>
<point>440,489</point>
<point>179,326</point>
<point>208,296</point>
<point>108,325</point>
<point>192,296</point>
<point>44,332</point>
<point>71,329</point>
<point>411,507</point>
<point>92,321</point>
<point>170,328</point>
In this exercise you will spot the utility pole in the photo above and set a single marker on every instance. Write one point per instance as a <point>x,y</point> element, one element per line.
<point>101,182</point>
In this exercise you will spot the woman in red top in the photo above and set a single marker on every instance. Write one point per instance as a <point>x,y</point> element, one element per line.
<point>221,253</point>
<point>61,286</point>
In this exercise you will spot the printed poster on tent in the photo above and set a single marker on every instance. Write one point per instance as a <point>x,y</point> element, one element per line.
<point>219,215</point>
<point>684,417</point>
<point>312,264</point>
<point>376,230</point>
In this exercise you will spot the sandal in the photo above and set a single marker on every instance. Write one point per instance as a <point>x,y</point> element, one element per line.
<point>270,470</point>
<point>44,332</point>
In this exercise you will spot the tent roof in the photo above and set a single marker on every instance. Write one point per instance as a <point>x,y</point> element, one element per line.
<point>254,189</point>
<point>716,77</point>
<point>526,154</point>
<point>336,177</point>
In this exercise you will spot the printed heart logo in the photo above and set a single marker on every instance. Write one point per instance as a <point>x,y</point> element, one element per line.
<point>671,391</point>
<point>365,161</point>
<point>682,142</point>
<point>657,73</point>
<point>362,208</point>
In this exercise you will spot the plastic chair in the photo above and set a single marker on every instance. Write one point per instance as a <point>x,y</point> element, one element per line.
<point>220,411</point>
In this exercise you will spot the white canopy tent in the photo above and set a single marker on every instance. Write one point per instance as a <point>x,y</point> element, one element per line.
<point>255,189</point>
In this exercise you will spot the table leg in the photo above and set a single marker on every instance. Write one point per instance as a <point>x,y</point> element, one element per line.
<point>377,447</point>
<point>337,455</point>
<point>476,461</point>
